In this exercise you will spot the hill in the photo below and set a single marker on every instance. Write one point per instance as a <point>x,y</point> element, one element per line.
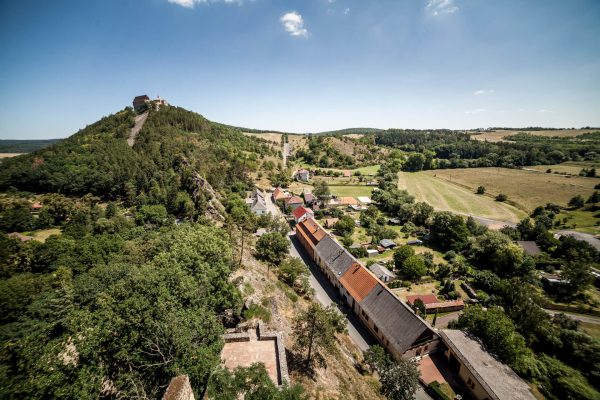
<point>24,146</point>
<point>172,147</point>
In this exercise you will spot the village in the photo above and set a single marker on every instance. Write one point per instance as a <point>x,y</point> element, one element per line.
<point>407,318</point>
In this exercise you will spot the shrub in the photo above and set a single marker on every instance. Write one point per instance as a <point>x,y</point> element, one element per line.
<point>481,190</point>
<point>501,197</point>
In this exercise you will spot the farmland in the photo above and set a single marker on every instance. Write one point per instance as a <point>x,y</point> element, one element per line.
<point>501,135</point>
<point>571,168</point>
<point>528,189</point>
<point>446,196</point>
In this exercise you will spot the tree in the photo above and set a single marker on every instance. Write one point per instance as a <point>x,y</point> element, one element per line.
<point>579,276</point>
<point>577,201</point>
<point>401,254</point>
<point>399,380</point>
<point>251,383</point>
<point>321,190</point>
<point>414,267</point>
<point>501,197</point>
<point>345,226</point>
<point>415,162</point>
<point>315,330</point>
<point>272,247</point>
<point>449,231</point>
<point>480,190</point>
<point>154,215</point>
<point>295,273</point>
<point>421,213</point>
<point>419,307</point>
<point>594,198</point>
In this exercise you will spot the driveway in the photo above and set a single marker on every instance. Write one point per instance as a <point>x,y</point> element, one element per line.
<point>325,294</point>
<point>271,207</point>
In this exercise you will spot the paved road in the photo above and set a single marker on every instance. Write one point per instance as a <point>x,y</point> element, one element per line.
<point>590,319</point>
<point>271,207</point>
<point>325,294</point>
<point>586,237</point>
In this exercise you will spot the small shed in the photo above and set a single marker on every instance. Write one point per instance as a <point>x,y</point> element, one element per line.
<point>372,252</point>
<point>387,243</point>
<point>382,272</point>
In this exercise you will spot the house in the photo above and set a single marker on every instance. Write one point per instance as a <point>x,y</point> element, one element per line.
<point>302,213</point>
<point>294,202</point>
<point>387,244</point>
<point>381,272</point>
<point>279,194</point>
<point>309,199</point>
<point>303,175</point>
<point>330,222</point>
<point>364,200</point>
<point>530,247</point>
<point>259,207</point>
<point>347,174</point>
<point>139,102</point>
<point>310,234</point>
<point>425,298</point>
<point>483,374</point>
<point>444,306</point>
<point>348,201</point>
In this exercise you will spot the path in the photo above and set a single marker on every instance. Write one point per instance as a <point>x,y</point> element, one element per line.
<point>590,319</point>
<point>139,122</point>
<point>586,237</point>
<point>286,151</point>
<point>325,295</point>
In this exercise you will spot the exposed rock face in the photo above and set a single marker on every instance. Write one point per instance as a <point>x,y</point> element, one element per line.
<point>179,389</point>
<point>214,209</point>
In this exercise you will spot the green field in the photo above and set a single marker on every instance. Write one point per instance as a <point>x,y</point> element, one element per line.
<point>351,191</point>
<point>572,168</point>
<point>368,170</point>
<point>446,196</point>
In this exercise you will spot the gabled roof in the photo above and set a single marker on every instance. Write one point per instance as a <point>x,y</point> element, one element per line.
<point>381,271</point>
<point>294,200</point>
<point>258,204</point>
<point>498,380</point>
<point>387,243</point>
<point>337,259</point>
<point>358,281</point>
<point>258,193</point>
<point>425,298</point>
<point>278,193</point>
<point>312,231</point>
<point>300,211</point>
<point>348,201</point>
<point>395,319</point>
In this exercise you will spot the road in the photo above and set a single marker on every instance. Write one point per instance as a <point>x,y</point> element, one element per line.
<point>586,237</point>
<point>137,127</point>
<point>590,319</point>
<point>325,294</point>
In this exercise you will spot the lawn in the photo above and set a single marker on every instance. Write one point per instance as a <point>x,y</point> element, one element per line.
<point>43,234</point>
<point>351,190</point>
<point>582,221</point>
<point>444,195</point>
<point>528,189</point>
<point>369,170</point>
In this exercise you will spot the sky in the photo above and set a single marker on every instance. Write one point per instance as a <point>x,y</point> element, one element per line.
<point>301,65</point>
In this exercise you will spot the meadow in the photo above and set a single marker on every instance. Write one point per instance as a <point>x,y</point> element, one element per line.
<point>571,167</point>
<point>526,189</point>
<point>444,195</point>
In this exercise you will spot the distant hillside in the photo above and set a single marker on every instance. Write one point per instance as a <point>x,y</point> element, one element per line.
<point>350,131</point>
<point>24,146</point>
<point>173,147</point>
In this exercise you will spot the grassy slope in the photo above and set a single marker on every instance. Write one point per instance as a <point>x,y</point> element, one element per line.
<point>527,188</point>
<point>443,195</point>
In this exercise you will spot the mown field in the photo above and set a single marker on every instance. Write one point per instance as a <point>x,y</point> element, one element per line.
<point>446,196</point>
<point>499,136</point>
<point>527,188</point>
<point>572,167</point>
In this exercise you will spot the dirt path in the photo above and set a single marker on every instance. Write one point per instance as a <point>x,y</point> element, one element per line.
<point>139,122</point>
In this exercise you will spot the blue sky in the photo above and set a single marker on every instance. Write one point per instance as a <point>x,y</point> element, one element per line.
<point>302,65</point>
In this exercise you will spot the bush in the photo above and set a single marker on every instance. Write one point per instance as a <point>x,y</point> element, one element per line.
<point>257,311</point>
<point>481,190</point>
<point>501,197</point>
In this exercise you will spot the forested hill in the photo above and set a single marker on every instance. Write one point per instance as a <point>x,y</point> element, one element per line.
<point>173,145</point>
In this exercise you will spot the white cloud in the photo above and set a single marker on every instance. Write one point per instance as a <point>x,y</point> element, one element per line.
<point>476,111</point>
<point>440,7</point>
<point>347,11</point>
<point>481,92</point>
<point>192,3</point>
<point>294,24</point>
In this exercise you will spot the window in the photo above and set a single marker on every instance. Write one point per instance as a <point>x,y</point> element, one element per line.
<point>375,328</point>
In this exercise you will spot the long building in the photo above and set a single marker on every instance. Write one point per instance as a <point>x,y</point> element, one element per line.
<point>393,323</point>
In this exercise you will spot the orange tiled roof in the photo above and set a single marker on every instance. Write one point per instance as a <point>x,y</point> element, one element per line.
<point>348,201</point>
<point>358,281</point>
<point>311,230</point>
<point>294,200</point>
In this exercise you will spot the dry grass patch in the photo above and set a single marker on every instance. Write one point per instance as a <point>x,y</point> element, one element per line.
<point>501,135</point>
<point>528,189</point>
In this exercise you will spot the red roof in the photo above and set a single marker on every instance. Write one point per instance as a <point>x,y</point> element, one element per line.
<point>294,200</point>
<point>299,212</point>
<point>358,281</point>
<point>311,230</point>
<point>425,298</point>
<point>309,197</point>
